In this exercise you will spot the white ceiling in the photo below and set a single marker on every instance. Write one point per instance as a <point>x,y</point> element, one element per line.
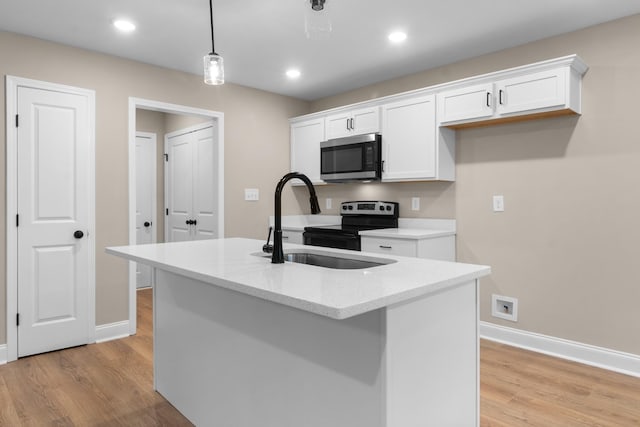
<point>260,39</point>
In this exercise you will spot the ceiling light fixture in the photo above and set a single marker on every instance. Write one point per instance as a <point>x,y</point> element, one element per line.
<point>124,25</point>
<point>317,5</point>
<point>397,37</point>
<point>293,73</point>
<point>317,22</point>
<point>213,63</point>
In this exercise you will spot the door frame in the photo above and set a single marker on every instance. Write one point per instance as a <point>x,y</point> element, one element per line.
<point>12,83</point>
<point>164,107</point>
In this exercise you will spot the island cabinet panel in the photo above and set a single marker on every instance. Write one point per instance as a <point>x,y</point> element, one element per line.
<point>225,358</point>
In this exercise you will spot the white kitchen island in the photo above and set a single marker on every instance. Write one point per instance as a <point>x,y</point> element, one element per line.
<point>241,342</point>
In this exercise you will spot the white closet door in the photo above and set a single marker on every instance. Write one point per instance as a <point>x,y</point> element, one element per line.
<point>54,172</point>
<point>204,188</point>
<point>191,186</point>
<point>145,200</point>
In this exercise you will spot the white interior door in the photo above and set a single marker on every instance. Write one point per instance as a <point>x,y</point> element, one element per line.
<point>191,185</point>
<point>145,200</point>
<point>54,195</point>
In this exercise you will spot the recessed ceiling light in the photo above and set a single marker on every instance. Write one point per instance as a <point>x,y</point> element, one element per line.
<point>293,73</point>
<point>397,36</point>
<point>124,25</point>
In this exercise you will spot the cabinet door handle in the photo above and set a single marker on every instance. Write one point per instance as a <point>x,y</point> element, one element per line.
<point>348,128</point>
<point>488,99</point>
<point>285,237</point>
<point>500,97</point>
<point>352,125</point>
<point>385,247</point>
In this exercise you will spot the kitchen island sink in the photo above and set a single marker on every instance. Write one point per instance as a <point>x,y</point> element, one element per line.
<point>332,260</point>
<point>240,341</point>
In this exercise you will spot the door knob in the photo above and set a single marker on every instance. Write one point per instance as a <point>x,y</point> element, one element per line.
<point>147,223</point>
<point>189,222</point>
<point>78,234</point>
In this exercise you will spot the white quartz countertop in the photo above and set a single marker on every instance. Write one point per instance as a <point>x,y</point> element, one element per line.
<point>339,294</point>
<point>407,233</point>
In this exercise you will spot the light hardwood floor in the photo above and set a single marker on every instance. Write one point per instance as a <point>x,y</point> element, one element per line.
<point>111,384</point>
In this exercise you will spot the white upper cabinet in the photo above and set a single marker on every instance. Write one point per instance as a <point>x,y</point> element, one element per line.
<point>413,148</point>
<point>545,89</point>
<point>305,148</point>
<point>353,122</point>
<point>532,92</point>
<point>417,127</point>
<point>468,103</point>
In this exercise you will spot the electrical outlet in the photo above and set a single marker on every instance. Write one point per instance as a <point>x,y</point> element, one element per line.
<point>415,203</point>
<point>328,203</point>
<point>498,203</point>
<point>504,307</point>
<point>252,194</point>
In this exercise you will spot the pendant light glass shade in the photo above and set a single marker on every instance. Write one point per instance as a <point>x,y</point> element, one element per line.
<point>213,69</point>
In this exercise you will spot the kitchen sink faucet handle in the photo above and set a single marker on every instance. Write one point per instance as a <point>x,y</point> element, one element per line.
<point>267,248</point>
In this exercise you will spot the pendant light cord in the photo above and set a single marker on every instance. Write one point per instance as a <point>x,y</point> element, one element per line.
<point>213,49</point>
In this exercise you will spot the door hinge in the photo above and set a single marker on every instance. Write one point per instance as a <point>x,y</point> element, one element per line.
<point>166,211</point>
<point>17,220</point>
<point>17,121</point>
<point>17,319</point>
<point>166,157</point>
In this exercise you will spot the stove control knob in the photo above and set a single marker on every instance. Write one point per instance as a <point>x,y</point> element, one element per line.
<point>350,207</point>
<point>381,207</point>
<point>388,207</point>
<point>344,207</point>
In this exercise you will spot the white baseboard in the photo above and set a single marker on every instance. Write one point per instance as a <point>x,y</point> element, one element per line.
<point>624,363</point>
<point>112,331</point>
<point>3,354</point>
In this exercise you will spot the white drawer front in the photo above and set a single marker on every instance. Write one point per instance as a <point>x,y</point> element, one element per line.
<point>398,247</point>
<point>289,236</point>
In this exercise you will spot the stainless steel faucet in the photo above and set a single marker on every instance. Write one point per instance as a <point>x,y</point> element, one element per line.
<point>278,255</point>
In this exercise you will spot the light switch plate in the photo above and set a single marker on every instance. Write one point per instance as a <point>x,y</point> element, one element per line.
<point>328,203</point>
<point>415,203</point>
<point>498,203</point>
<point>252,194</point>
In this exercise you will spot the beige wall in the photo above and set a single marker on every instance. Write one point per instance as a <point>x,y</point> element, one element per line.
<point>256,146</point>
<point>567,244</point>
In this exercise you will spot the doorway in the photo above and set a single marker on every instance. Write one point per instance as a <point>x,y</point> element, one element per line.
<point>215,121</point>
<point>50,216</point>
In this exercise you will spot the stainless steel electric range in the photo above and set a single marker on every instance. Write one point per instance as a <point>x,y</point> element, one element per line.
<point>356,217</point>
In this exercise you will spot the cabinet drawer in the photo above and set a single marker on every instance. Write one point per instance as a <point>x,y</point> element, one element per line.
<point>289,236</point>
<point>398,247</point>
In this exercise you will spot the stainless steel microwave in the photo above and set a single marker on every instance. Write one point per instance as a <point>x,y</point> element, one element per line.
<point>352,158</point>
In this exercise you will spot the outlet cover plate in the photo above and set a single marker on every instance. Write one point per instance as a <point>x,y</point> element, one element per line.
<point>504,307</point>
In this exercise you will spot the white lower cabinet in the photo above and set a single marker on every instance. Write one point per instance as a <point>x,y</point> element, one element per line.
<point>440,248</point>
<point>292,236</point>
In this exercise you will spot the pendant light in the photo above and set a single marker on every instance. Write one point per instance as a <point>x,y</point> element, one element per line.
<point>317,22</point>
<point>213,63</point>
